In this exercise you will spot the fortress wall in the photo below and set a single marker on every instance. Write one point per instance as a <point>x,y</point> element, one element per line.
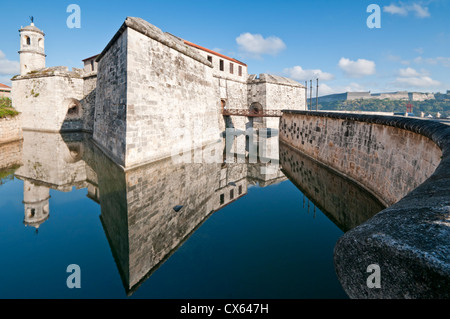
<point>404,162</point>
<point>88,102</point>
<point>10,129</point>
<point>389,161</point>
<point>42,98</point>
<point>111,100</point>
<point>170,101</point>
<point>235,94</point>
<point>275,93</point>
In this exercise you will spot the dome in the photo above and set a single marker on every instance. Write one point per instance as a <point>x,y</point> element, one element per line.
<point>32,27</point>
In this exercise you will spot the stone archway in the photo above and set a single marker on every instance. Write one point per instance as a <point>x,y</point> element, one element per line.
<point>74,110</point>
<point>255,109</point>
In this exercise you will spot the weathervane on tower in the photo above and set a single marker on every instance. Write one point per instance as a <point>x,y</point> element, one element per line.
<point>32,19</point>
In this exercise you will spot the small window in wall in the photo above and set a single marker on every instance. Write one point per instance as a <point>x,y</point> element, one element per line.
<point>240,70</point>
<point>231,68</point>
<point>240,190</point>
<point>210,58</point>
<point>92,65</point>
<point>27,41</point>
<point>222,66</point>
<point>232,194</point>
<point>222,199</point>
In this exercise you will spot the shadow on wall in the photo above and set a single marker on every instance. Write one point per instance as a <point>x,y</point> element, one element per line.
<point>80,114</point>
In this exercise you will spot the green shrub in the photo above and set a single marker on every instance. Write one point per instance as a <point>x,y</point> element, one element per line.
<point>6,109</point>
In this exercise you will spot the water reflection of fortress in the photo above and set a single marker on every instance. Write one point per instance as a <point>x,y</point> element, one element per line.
<point>137,206</point>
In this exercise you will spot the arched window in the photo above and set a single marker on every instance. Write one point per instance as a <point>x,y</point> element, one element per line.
<point>27,40</point>
<point>41,43</point>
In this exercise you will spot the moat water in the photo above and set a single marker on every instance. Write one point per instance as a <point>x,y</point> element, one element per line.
<point>241,230</point>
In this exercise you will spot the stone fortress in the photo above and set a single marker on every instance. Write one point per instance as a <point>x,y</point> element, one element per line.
<point>147,95</point>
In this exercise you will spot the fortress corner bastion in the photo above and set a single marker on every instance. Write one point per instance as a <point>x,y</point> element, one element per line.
<point>147,95</point>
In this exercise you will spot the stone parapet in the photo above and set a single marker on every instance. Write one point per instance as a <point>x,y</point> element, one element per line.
<point>406,163</point>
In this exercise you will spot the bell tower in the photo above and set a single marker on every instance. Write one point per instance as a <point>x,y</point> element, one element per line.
<point>32,49</point>
<point>36,202</point>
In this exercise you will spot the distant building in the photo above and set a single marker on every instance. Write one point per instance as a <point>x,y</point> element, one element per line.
<point>401,95</point>
<point>5,91</point>
<point>90,65</point>
<point>348,96</point>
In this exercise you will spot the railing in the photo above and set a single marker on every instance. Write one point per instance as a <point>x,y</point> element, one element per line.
<point>252,113</point>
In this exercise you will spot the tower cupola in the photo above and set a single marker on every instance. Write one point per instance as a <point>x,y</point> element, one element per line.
<point>32,49</point>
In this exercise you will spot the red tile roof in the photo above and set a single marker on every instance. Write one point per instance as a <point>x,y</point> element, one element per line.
<point>213,52</point>
<point>4,86</point>
<point>92,57</point>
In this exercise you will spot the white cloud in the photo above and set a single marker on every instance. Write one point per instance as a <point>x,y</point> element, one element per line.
<point>408,72</point>
<point>410,77</point>
<point>358,68</point>
<point>352,87</point>
<point>418,82</point>
<point>299,74</point>
<point>257,45</point>
<point>8,67</point>
<point>326,90</point>
<point>394,9</point>
<point>421,12</point>
<point>444,61</point>
<point>403,9</point>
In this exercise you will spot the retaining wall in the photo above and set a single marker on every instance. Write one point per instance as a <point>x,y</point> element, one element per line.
<point>405,162</point>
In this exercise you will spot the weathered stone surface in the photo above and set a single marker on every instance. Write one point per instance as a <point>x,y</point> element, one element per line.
<point>410,239</point>
<point>45,99</point>
<point>10,129</point>
<point>151,97</point>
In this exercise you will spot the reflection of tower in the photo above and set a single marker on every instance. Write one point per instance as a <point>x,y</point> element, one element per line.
<point>36,201</point>
<point>32,50</point>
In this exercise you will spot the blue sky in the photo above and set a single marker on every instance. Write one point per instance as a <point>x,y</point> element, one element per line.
<point>299,39</point>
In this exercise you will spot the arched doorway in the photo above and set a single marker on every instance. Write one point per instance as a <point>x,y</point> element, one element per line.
<point>255,109</point>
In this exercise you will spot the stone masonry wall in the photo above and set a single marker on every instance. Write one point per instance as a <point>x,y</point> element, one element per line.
<point>389,161</point>
<point>408,241</point>
<point>170,101</point>
<point>88,102</point>
<point>44,100</point>
<point>111,99</point>
<point>10,129</point>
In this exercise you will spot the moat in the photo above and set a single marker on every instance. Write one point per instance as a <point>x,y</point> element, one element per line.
<point>169,230</point>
